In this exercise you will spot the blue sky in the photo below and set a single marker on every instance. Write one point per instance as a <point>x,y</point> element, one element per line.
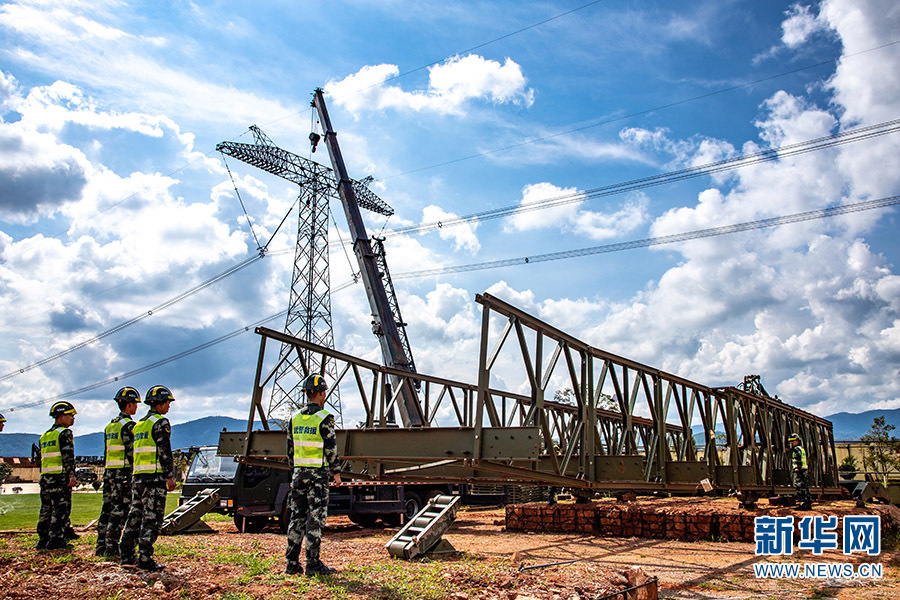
<point>113,199</point>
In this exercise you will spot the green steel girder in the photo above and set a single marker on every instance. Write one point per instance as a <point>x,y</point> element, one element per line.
<point>645,444</point>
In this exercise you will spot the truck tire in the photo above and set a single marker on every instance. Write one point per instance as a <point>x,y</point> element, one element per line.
<point>412,504</point>
<point>250,524</point>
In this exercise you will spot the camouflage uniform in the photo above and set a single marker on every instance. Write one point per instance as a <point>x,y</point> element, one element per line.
<point>148,500</point>
<point>56,495</point>
<point>116,492</point>
<point>801,476</point>
<point>309,496</point>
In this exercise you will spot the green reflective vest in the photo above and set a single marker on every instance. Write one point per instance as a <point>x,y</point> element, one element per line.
<point>51,457</point>
<point>800,459</point>
<point>309,448</point>
<point>145,451</point>
<point>115,447</point>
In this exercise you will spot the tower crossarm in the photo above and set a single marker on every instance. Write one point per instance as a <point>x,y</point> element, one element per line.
<point>267,156</point>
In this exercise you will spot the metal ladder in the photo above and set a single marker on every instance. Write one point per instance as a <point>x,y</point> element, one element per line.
<point>186,518</point>
<point>422,534</point>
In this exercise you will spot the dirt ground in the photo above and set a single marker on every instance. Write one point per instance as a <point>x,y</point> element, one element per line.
<point>233,566</point>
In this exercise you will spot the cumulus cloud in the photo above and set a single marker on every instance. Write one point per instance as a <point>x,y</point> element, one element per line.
<point>451,85</point>
<point>38,174</point>
<point>570,216</point>
<point>800,24</point>
<point>462,235</point>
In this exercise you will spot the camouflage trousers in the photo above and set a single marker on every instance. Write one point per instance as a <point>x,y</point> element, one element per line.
<point>801,484</point>
<point>309,508</point>
<point>148,507</point>
<point>116,504</point>
<point>56,505</point>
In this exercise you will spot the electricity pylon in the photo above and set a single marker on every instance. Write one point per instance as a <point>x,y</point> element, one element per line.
<point>309,307</point>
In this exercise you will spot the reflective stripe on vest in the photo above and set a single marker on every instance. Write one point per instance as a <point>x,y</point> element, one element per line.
<point>51,457</point>
<point>115,447</point>
<point>309,448</point>
<point>145,455</point>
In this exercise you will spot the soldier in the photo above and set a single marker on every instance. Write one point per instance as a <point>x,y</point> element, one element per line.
<point>154,475</point>
<point>118,445</point>
<point>312,448</point>
<point>800,472</point>
<point>57,461</point>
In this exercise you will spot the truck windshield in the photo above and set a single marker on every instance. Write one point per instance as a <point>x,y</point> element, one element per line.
<point>206,466</point>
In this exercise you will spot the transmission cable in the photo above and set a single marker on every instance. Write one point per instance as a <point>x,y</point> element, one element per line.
<point>821,143</point>
<point>637,184</point>
<point>820,213</point>
<point>172,301</point>
<point>146,368</point>
<point>654,241</point>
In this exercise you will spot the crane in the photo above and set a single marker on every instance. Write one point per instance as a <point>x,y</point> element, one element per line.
<point>386,323</point>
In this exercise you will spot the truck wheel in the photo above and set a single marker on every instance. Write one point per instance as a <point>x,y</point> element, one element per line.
<point>250,524</point>
<point>364,519</point>
<point>412,504</point>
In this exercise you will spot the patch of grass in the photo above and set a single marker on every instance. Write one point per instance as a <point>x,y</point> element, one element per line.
<point>426,580</point>
<point>237,596</point>
<point>255,562</point>
<point>214,517</point>
<point>179,546</point>
<point>24,508</point>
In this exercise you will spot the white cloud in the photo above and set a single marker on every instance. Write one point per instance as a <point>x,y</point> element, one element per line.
<point>128,68</point>
<point>569,216</point>
<point>462,235</point>
<point>450,85</point>
<point>800,25</point>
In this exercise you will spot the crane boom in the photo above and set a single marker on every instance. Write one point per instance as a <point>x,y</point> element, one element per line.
<point>383,324</point>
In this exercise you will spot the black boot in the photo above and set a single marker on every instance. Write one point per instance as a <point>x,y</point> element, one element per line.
<point>319,568</point>
<point>150,565</point>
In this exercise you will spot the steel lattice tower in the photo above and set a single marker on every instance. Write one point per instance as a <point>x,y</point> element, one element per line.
<point>309,307</point>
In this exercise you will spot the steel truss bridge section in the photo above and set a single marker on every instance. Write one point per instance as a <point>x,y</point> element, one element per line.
<point>482,433</point>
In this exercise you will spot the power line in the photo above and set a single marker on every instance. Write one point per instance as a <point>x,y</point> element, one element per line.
<point>813,145</point>
<point>608,248</point>
<point>821,213</point>
<point>172,301</point>
<point>632,185</point>
<point>146,368</point>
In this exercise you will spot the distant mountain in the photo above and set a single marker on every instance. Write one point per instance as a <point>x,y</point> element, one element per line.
<point>850,426</point>
<point>201,432</point>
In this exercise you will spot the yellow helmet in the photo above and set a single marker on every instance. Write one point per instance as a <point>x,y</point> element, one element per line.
<point>62,408</point>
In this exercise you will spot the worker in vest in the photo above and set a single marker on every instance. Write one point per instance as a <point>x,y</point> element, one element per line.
<point>2,421</point>
<point>800,472</point>
<point>118,452</point>
<point>154,475</point>
<point>57,461</point>
<point>312,448</point>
